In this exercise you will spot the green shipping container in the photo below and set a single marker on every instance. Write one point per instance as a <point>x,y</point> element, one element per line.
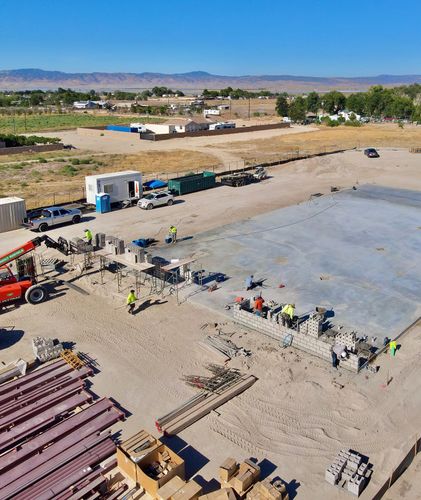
<point>191,183</point>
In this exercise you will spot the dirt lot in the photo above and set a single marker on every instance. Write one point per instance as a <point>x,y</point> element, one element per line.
<point>296,416</point>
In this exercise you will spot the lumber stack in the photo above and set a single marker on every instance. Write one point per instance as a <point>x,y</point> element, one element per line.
<point>53,442</point>
<point>200,405</point>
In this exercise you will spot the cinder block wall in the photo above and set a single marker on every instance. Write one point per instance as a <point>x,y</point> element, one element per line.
<point>320,347</point>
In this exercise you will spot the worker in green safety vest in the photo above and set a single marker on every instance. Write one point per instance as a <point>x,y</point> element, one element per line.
<point>172,232</point>
<point>287,315</point>
<point>88,236</point>
<point>131,301</point>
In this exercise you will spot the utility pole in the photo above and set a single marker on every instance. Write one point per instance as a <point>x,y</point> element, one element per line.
<point>249,108</point>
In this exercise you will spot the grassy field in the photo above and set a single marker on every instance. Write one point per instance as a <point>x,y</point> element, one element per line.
<point>39,123</point>
<point>326,139</point>
<point>46,181</point>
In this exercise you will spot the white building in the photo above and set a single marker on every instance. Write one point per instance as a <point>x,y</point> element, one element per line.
<point>178,125</point>
<point>347,115</point>
<point>85,105</point>
<point>121,186</point>
<point>210,112</point>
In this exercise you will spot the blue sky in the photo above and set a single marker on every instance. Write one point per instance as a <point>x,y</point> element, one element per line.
<point>229,37</point>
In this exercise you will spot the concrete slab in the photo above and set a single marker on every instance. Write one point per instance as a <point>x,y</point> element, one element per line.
<point>356,252</point>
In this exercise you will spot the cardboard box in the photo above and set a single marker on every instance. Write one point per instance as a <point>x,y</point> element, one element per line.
<point>242,481</point>
<point>190,491</point>
<point>170,488</point>
<point>126,465</point>
<point>152,484</point>
<point>222,494</point>
<point>227,469</point>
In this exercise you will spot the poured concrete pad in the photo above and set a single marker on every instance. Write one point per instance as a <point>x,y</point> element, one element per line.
<point>356,252</point>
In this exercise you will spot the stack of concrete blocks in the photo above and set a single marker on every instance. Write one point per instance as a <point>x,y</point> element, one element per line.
<point>348,471</point>
<point>100,240</point>
<point>114,245</point>
<point>134,253</point>
<point>45,349</point>
<point>320,346</point>
<point>348,339</point>
<point>313,325</point>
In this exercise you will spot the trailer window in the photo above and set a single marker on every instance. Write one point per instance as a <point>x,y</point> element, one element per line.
<point>108,188</point>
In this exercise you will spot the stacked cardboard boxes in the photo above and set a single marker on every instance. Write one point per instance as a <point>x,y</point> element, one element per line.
<point>240,477</point>
<point>266,490</point>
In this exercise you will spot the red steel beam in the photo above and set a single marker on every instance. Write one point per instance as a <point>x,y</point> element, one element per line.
<point>42,420</point>
<point>97,417</point>
<point>19,384</point>
<point>63,478</point>
<point>42,383</point>
<point>43,403</point>
<point>54,457</point>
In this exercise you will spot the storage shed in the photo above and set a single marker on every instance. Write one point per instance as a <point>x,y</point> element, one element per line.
<point>12,213</point>
<point>121,186</point>
<point>191,183</point>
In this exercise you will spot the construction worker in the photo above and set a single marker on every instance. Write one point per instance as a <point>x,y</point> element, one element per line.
<point>88,236</point>
<point>258,305</point>
<point>249,282</point>
<point>172,233</point>
<point>131,301</point>
<point>392,347</point>
<point>287,314</point>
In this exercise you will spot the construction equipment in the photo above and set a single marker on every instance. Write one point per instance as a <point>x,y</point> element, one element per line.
<point>24,285</point>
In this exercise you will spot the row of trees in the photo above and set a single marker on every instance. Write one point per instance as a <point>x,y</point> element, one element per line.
<point>22,140</point>
<point>378,102</point>
<point>235,93</point>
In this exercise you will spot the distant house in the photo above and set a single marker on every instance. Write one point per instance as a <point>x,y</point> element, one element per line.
<point>85,105</point>
<point>211,112</point>
<point>178,125</point>
<point>347,115</point>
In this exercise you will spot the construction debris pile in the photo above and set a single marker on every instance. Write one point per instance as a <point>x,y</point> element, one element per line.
<point>350,471</point>
<point>225,384</point>
<point>46,349</point>
<point>52,440</point>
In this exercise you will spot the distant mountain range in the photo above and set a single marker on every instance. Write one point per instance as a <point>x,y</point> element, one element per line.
<point>27,79</point>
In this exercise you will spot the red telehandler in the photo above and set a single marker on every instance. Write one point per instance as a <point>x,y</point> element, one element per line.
<point>24,285</point>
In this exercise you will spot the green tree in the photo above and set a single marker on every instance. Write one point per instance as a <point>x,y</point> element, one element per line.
<point>282,106</point>
<point>313,102</point>
<point>333,101</point>
<point>357,103</point>
<point>297,109</point>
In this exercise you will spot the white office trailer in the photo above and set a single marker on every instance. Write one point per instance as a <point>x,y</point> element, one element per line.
<point>121,186</point>
<point>12,213</point>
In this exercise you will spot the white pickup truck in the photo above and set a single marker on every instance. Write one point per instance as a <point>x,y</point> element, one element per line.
<point>53,216</point>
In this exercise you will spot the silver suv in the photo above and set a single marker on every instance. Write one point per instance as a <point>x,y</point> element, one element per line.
<point>53,216</point>
<point>157,199</point>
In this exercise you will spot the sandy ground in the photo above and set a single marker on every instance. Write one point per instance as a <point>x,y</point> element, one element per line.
<point>296,417</point>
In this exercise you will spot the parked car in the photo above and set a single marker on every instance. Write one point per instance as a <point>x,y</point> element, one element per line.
<point>52,216</point>
<point>156,199</point>
<point>371,153</point>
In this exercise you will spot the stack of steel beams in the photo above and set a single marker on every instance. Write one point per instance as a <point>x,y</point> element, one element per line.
<point>53,443</point>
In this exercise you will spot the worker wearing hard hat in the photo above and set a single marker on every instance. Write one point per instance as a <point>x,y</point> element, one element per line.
<point>172,233</point>
<point>131,301</point>
<point>287,314</point>
<point>88,236</point>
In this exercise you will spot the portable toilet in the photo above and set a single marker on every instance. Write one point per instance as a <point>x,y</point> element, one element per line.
<point>102,203</point>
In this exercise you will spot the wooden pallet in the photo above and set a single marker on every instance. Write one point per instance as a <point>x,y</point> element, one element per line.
<point>72,359</point>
